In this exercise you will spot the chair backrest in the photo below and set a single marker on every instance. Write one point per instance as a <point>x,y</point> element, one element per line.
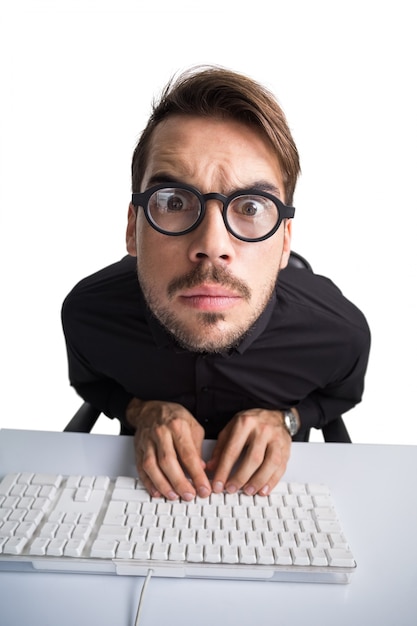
<point>296,260</point>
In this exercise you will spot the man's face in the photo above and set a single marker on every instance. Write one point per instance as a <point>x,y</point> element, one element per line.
<point>207,287</point>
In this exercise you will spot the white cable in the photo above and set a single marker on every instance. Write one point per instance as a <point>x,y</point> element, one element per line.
<point>142,594</point>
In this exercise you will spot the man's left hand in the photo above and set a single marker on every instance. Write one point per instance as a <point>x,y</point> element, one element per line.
<point>260,441</point>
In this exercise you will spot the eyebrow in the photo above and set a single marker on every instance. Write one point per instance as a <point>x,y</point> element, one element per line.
<point>161,177</point>
<point>264,185</point>
<point>261,185</point>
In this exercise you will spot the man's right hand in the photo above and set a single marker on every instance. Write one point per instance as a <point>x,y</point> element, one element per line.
<point>168,443</point>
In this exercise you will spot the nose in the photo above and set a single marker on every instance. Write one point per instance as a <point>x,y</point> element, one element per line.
<point>211,240</point>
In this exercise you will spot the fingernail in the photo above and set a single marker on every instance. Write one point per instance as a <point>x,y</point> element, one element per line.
<point>231,488</point>
<point>172,495</point>
<point>249,490</point>
<point>218,486</point>
<point>187,496</point>
<point>264,491</point>
<point>203,492</point>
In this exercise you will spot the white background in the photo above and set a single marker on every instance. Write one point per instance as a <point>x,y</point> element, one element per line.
<point>77,79</point>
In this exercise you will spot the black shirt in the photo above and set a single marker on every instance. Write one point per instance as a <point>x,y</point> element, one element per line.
<point>309,349</point>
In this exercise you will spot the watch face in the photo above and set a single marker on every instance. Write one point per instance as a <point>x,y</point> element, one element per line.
<point>290,422</point>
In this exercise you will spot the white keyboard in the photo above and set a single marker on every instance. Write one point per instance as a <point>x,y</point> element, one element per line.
<point>101,525</point>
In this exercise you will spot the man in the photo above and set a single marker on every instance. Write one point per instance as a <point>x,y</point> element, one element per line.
<point>194,335</point>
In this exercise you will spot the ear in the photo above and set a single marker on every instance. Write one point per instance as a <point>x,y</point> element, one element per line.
<point>286,246</point>
<point>131,231</point>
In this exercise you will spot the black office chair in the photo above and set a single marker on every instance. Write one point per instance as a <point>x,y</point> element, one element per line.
<point>87,415</point>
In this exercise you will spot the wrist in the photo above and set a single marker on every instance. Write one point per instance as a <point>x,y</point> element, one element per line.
<point>133,411</point>
<point>291,421</point>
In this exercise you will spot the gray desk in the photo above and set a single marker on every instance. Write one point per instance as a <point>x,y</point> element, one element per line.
<point>363,478</point>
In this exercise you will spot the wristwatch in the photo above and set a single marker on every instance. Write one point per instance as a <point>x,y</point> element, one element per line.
<point>291,422</point>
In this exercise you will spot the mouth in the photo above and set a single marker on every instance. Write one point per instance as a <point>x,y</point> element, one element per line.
<point>209,298</point>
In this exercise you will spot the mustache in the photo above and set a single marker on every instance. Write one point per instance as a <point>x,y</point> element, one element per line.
<point>212,274</point>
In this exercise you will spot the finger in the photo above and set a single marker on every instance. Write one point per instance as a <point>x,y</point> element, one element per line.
<point>266,477</point>
<point>191,460</point>
<point>151,476</point>
<point>217,451</point>
<point>168,474</point>
<point>229,455</point>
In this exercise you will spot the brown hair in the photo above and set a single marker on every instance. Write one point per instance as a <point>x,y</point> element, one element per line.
<point>217,92</point>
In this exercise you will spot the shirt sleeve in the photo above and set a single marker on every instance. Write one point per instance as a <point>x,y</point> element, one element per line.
<point>85,323</point>
<point>103,393</point>
<point>323,405</point>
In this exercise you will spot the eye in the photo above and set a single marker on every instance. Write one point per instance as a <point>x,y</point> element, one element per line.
<point>175,203</point>
<point>172,200</point>
<point>248,206</point>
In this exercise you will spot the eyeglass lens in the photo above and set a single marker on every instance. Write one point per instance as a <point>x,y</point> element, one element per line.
<point>176,210</point>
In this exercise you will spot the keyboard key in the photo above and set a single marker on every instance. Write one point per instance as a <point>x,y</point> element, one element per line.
<point>176,552</point>
<point>74,547</point>
<point>82,494</point>
<point>101,482</point>
<point>16,515</point>
<point>82,531</point>
<point>38,546</point>
<point>8,529</point>
<point>104,548</point>
<point>14,545</point>
<point>194,553</point>
<point>265,555</point>
<point>212,554</point>
<point>300,556</point>
<point>160,551</point>
<point>125,550</point>
<point>282,556</point>
<point>130,495</point>
<point>318,557</point>
<point>41,504</point>
<point>338,541</point>
<point>47,479</point>
<point>18,490</point>
<point>329,526</point>
<point>117,533</point>
<point>340,557</point>
<point>25,529</point>
<point>247,555</point>
<point>87,481</point>
<point>64,531</point>
<point>125,482</point>
<point>49,530</point>
<point>220,537</point>
<point>230,554</point>
<point>7,484</point>
<point>56,547</point>
<point>142,552</point>
<point>5,514</point>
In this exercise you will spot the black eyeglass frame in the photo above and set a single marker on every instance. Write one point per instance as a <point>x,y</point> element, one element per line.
<point>142,200</point>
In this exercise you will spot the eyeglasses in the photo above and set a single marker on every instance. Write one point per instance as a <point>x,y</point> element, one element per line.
<point>248,214</point>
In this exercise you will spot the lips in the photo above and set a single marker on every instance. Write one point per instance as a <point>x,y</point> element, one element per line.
<point>209,297</point>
